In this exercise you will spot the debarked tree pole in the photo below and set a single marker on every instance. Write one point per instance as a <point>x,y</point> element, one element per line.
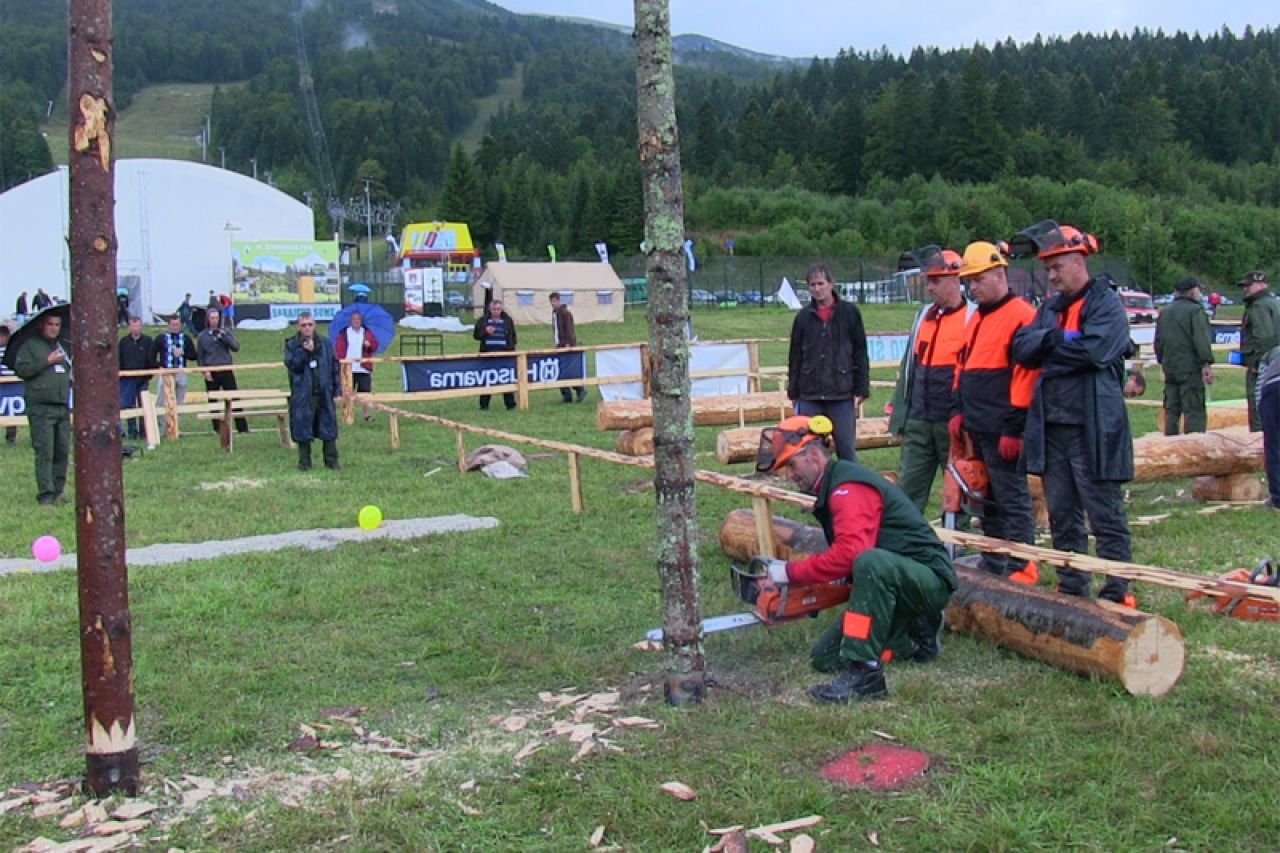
<point>1141,651</point>
<point>106,652</point>
<point>668,367</point>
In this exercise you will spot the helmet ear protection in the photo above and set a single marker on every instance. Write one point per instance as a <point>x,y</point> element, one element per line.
<point>1047,239</point>
<point>779,444</point>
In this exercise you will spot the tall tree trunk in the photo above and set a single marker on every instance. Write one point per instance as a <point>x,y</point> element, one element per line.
<point>106,651</point>
<point>669,353</point>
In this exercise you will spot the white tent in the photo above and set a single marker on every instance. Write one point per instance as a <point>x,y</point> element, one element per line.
<point>593,292</point>
<point>175,222</point>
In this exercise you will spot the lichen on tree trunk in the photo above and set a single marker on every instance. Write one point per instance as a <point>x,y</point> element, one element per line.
<point>106,652</point>
<point>669,387</point>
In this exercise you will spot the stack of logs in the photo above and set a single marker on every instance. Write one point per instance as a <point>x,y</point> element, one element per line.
<point>1143,652</point>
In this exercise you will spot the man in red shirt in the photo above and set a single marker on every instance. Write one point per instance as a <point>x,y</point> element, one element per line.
<point>900,573</point>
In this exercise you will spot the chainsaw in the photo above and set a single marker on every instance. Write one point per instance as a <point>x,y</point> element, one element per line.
<point>964,486</point>
<point>772,603</point>
<point>1247,607</point>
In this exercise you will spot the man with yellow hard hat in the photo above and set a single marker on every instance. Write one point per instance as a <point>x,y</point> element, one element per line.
<point>1078,437</point>
<point>900,573</point>
<point>991,398</point>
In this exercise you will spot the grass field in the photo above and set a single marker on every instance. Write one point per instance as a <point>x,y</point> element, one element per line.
<point>439,641</point>
<point>162,121</point>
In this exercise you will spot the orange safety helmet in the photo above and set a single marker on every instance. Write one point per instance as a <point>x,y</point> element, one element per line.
<point>778,444</point>
<point>1047,239</point>
<point>981,256</point>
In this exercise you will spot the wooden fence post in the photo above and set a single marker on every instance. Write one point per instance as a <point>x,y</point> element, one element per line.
<point>575,484</point>
<point>644,371</point>
<point>764,526</point>
<point>522,381</point>
<point>170,406</point>
<point>753,367</point>
<point>462,451</point>
<point>395,432</point>
<point>348,395</point>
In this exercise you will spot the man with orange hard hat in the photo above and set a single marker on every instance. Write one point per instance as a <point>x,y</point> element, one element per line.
<point>992,394</point>
<point>1078,437</point>
<point>900,573</point>
<point>922,398</point>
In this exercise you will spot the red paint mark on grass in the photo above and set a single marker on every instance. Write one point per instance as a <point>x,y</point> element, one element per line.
<point>881,767</point>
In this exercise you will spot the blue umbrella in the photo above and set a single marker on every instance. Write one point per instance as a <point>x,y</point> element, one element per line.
<point>360,288</point>
<point>376,319</point>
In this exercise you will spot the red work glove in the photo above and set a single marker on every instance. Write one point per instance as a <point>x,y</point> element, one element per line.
<point>1010,448</point>
<point>955,427</point>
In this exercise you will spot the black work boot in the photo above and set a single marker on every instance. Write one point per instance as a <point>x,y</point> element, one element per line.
<point>926,635</point>
<point>331,455</point>
<point>860,680</point>
<point>304,456</point>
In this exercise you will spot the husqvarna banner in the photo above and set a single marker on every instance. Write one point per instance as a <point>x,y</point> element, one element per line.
<point>449,373</point>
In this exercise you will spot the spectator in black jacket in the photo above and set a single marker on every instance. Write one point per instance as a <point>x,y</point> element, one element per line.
<point>496,332</point>
<point>828,372</point>
<point>135,354</point>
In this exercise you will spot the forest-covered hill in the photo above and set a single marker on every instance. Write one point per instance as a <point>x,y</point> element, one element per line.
<point>1166,145</point>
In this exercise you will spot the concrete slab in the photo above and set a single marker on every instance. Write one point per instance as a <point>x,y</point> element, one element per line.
<point>311,540</point>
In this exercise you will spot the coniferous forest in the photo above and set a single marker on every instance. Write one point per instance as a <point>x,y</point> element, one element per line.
<point>1166,145</point>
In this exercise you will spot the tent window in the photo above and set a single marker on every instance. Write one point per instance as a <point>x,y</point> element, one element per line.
<point>524,297</point>
<point>604,297</point>
<point>566,297</point>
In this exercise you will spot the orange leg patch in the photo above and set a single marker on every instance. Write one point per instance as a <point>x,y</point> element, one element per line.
<point>856,625</point>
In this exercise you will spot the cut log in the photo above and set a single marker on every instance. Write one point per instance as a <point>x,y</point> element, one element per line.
<point>1145,653</point>
<point>1232,487</point>
<point>1228,451</point>
<point>1039,507</point>
<point>636,442</point>
<point>731,409</point>
<point>740,445</point>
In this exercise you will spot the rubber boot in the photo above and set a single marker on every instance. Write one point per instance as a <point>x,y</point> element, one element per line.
<point>1028,575</point>
<point>926,635</point>
<point>859,681</point>
<point>304,456</point>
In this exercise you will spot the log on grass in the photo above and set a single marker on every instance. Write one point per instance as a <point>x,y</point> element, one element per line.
<point>1200,454</point>
<point>1145,653</point>
<point>754,408</point>
<point>741,444</point>
<point>636,442</point>
<point>1233,487</point>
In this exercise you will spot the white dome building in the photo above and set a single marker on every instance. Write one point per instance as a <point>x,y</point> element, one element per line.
<point>175,223</point>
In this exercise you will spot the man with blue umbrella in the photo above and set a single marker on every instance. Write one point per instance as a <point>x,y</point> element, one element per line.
<point>362,330</point>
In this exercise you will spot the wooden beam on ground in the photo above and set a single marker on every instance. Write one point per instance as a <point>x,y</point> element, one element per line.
<point>636,442</point>
<point>755,408</point>
<point>1229,451</point>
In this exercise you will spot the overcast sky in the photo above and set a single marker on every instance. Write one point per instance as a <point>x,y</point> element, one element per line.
<point>807,28</point>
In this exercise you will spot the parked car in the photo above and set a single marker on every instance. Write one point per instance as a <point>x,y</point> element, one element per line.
<point>1140,307</point>
<point>698,296</point>
<point>751,297</point>
<point>728,297</point>
<point>1165,299</point>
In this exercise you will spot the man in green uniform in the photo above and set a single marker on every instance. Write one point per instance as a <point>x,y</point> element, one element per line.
<point>900,573</point>
<point>1184,350</point>
<point>43,366</point>
<point>1259,332</point>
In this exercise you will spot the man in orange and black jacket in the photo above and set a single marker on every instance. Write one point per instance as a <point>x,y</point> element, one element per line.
<point>992,394</point>
<point>922,400</point>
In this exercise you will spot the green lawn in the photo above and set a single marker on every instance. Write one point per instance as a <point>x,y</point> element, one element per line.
<point>438,639</point>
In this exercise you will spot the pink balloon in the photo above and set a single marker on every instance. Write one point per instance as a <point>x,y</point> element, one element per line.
<point>46,549</point>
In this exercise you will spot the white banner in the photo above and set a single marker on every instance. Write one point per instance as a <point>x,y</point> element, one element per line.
<point>626,362</point>
<point>602,249</point>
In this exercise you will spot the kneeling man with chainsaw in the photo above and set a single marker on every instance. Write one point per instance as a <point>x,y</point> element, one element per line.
<point>901,576</point>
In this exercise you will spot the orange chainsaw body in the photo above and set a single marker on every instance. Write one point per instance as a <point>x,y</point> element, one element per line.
<point>773,603</point>
<point>1244,606</point>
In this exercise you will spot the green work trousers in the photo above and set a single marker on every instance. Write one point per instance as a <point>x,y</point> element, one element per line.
<point>889,592</point>
<point>1184,398</point>
<point>1251,395</point>
<point>51,440</point>
<point>924,452</point>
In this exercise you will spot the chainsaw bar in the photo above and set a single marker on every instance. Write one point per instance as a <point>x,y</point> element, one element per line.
<point>715,625</point>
